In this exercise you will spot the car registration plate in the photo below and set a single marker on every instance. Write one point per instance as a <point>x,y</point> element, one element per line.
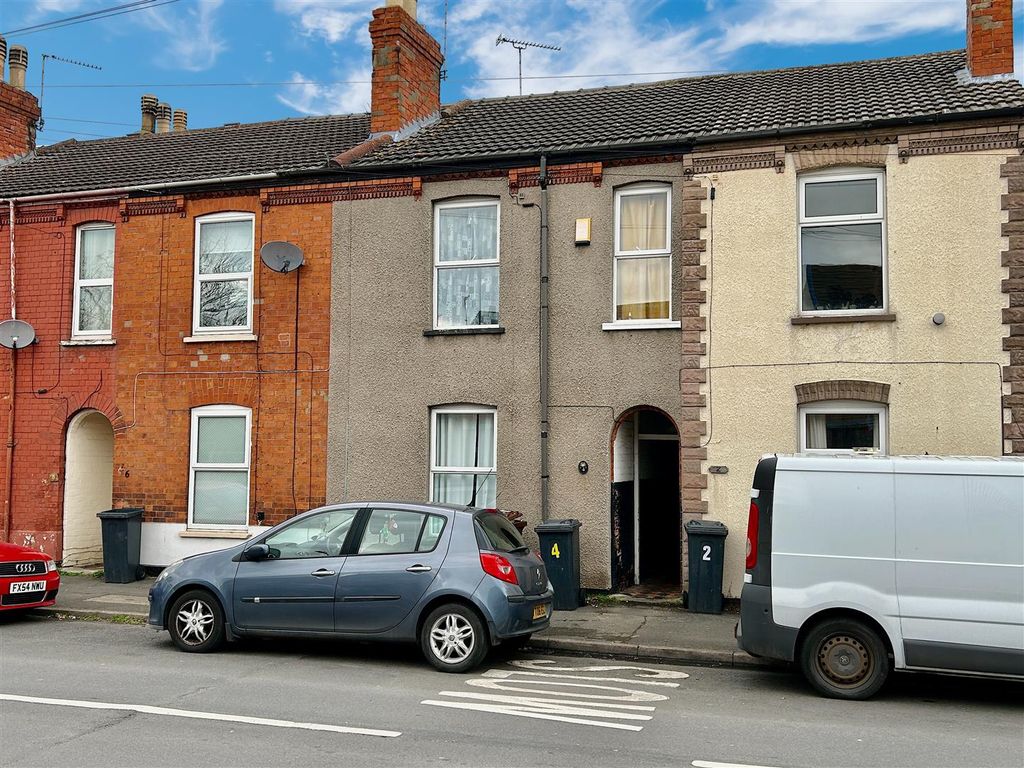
<point>540,612</point>
<point>20,587</point>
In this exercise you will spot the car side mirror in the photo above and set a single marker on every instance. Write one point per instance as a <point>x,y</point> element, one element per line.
<point>257,552</point>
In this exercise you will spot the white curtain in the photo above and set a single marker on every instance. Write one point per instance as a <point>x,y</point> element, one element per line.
<point>465,440</point>
<point>468,233</point>
<point>817,434</point>
<point>642,222</point>
<point>96,257</point>
<point>643,288</point>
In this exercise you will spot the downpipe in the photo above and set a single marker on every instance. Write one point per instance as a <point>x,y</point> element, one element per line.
<point>544,426</point>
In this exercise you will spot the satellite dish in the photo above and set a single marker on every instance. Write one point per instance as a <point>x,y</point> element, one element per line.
<point>16,334</point>
<point>281,256</point>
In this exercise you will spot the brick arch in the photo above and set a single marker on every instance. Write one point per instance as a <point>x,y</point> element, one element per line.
<point>842,389</point>
<point>869,157</point>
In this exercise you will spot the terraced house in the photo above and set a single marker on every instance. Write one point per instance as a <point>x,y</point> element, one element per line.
<point>601,304</point>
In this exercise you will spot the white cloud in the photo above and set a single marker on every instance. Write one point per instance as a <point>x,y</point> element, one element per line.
<point>332,20</point>
<point>308,98</point>
<point>815,22</point>
<point>193,40</point>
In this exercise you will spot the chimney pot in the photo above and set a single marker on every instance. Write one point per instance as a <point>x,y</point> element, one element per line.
<point>163,117</point>
<point>3,57</point>
<point>149,103</point>
<point>180,121</point>
<point>18,58</point>
<point>989,37</point>
<point>409,6</point>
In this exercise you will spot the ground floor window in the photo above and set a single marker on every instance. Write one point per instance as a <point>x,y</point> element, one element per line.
<point>219,467</point>
<point>463,449</point>
<point>842,426</point>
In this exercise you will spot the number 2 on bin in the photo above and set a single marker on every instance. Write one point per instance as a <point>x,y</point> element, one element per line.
<point>706,550</point>
<point>554,551</point>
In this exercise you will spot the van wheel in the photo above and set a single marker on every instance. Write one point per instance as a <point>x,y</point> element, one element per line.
<point>844,659</point>
<point>453,638</point>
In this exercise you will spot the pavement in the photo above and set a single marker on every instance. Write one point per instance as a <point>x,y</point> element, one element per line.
<point>608,626</point>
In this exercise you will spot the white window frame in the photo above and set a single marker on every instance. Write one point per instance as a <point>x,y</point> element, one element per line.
<point>845,407</point>
<point>76,332</point>
<point>879,217</point>
<point>249,276</point>
<point>194,465</point>
<point>618,253</point>
<point>491,471</point>
<point>439,265</point>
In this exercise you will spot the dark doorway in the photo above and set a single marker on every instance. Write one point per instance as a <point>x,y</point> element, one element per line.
<point>646,543</point>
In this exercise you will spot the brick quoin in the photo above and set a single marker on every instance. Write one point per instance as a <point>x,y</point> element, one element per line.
<point>989,37</point>
<point>406,71</point>
<point>150,380</point>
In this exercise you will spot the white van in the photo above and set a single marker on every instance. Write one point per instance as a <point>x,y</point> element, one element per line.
<point>860,564</point>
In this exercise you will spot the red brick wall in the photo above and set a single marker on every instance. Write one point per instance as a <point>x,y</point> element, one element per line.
<point>19,112</point>
<point>149,381</point>
<point>53,382</point>
<point>989,37</point>
<point>406,70</point>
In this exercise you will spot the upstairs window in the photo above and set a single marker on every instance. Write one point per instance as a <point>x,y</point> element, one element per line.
<point>643,254</point>
<point>222,301</point>
<point>466,264</point>
<point>842,243</point>
<point>94,281</point>
<point>462,456</point>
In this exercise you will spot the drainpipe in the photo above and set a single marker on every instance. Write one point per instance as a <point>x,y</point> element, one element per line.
<point>544,504</point>
<point>9,477</point>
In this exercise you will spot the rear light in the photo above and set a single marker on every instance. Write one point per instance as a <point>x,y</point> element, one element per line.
<point>753,521</point>
<point>499,567</point>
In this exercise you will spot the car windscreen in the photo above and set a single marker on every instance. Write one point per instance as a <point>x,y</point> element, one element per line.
<point>500,534</point>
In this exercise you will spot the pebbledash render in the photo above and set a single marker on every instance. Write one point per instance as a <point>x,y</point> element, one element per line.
<point>821,258</point>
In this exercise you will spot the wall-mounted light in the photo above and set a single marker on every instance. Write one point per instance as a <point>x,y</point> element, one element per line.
<point>583,231</point>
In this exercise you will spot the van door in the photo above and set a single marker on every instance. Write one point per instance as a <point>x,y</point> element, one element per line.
<point>959,555</point>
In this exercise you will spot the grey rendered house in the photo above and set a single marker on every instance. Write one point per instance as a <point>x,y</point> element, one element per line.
<point>607,304</point>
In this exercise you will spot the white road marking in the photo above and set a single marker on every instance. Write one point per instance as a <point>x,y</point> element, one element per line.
<point>579,707</point>
<point>507,673</point>
<point>511,710</point>
<point>711,764</point>
<point>511,685</point>
<point>165,711</point>
<point>643,672</point>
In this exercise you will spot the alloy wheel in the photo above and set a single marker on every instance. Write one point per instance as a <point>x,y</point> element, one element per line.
<point>194,622</point>
<point>452,638</point>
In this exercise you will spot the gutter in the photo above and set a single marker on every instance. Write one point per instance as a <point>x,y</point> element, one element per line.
<point>140,188</point>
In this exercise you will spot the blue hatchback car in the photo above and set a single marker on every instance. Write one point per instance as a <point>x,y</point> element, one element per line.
<point>457,580</point>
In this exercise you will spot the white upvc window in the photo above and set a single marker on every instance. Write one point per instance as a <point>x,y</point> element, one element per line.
<point>842,243</point>
<point>218,494</point>
<point>223,290</point>
<point>466,254</point>
<point>94,282</point>
<point>463,455</point>
<point>643,255</point>
<point>843,426</point>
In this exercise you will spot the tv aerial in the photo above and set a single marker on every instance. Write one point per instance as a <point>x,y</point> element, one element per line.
<point>281,256</point>
<point>521,45</point>
<point>42,78</point>
<point>16,334</point>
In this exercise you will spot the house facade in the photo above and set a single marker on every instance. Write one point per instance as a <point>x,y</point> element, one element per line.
<point>684,276</point>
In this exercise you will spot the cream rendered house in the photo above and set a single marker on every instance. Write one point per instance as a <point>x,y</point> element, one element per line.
<point>608,304</point>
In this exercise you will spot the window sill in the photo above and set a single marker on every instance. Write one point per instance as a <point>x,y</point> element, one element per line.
<point>825,319</point>
<point>199,533</point>
<point>88,342</point>
<point>208,337</point>
<point>653,325</point>
<point>464,331</point>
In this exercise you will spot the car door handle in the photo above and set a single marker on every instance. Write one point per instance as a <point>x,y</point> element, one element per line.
<point>418,568</point>
<point>322,572</point>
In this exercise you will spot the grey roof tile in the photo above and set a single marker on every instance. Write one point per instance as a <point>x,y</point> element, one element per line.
<point>232,150</point>
<point>706,108</point>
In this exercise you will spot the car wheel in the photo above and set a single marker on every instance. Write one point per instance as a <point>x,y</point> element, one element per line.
<point>844,659</point>
<point>196,622</point>
<point>453,638</point>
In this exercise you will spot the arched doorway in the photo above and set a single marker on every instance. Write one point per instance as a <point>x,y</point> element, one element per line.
<point>88,486</point>
<point>646,514</point>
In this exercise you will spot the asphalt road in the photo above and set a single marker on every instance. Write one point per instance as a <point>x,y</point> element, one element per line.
<point>311,704</point>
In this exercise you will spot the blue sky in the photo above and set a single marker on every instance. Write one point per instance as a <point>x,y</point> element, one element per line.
<point>285,58</point>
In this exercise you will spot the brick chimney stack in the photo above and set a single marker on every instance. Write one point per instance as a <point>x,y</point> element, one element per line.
<point>19,109</point>
<point>989,37</point>
<point>406,69</point>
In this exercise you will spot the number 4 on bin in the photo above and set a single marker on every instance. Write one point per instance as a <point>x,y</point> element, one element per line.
<point>554,551</point>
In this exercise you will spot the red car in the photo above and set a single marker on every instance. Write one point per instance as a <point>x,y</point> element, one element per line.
<point>28,579</point>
